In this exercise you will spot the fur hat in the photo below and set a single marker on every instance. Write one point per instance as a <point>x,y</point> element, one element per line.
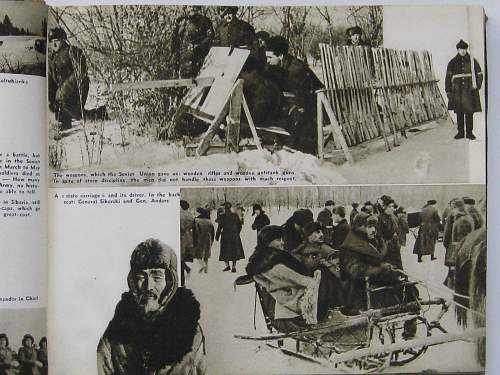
<point>184,204</point>
<point>302,216</point>
<point>264,35</point>
<point>26,337</point>
<point>153,253</point>
<point>268,234</point>
<point>4,336</point>
<point>462,45</point>
<point>256,207</point>
<point>310,228</point>
<point>223,10</point>
<point>386,200</point>
<point>354,30</point>
<point>278,45</point>
<point>431,202</point>
<point>360,219</point>
<point>468,200</point>
<point>329,202</point>
<point>57,33</point>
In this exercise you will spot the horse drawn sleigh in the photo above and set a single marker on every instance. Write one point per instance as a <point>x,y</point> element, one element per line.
<point>369,341</point>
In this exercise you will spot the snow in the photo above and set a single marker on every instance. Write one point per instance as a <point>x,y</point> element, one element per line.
<point>431,156</point>
<point>226,312</point>
<point>20,49</point>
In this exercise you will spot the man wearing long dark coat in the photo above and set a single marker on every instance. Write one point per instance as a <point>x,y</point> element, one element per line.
<point>462,88</point>
<point>204,234</point>
<point>228,231</point>
<point>387,228</point>
<point>429,231</point>
<point>261,218</point>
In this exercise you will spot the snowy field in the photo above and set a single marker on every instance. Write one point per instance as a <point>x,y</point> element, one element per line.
<point>18,55</point>
<point>226,312</point>
<point>431,156</point>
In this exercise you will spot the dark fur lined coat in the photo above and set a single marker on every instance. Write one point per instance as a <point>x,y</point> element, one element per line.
<point>172,344</point>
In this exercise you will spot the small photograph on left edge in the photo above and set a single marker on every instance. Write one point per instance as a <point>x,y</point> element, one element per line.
<point>23,37</point>
<point>23,341</point>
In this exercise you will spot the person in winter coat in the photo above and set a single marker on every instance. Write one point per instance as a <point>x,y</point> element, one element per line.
<point>155,329</point>
<point>340,227</point>
<point>228,232</point>
<point>388,230</point>
<point>261,219</point>
<point>191,41</point>
<point>43,355</point>
<point>458,225</point>
<point>29,364</point>
<point>471,209</point>
<point>186,235</point>
<point>8,361</point>
<point>294,228</point>
<point>354,212</point>
<point>404,229</point>
<point>462,88</point>
<point>355,37</point>
<point>204,235</point>
<point>429,231</point>
<point>299,80</point>
<point>325,218</point>
<point>302,294</point>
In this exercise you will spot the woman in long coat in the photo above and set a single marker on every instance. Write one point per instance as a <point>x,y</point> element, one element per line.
<point>204,234</point>
<point>428,233</point>
<point>228,231</point>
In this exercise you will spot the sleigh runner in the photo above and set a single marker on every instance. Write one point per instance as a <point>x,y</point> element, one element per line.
<point>366,342</point>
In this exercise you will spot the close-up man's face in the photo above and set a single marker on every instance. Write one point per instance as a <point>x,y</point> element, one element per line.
<point>462,51</point>
<point>3,342</point>
<point>150,284</point>
<point>272,59</point>
<point>277,244</point>
<point>316,236</point>
<point>371,231</point>
<point>55,45</point>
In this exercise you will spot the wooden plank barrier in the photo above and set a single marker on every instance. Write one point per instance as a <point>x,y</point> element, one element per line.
<point>379,92</point>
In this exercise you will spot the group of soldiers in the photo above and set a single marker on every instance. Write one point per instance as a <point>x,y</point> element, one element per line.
<point>29,360</point>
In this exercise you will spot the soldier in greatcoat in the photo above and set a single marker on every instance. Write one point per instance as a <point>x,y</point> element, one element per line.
<point>429,231</point>
<point>228,231</point>
<point>204,235</point>
<point>191,41</point>
<point>462,88</point>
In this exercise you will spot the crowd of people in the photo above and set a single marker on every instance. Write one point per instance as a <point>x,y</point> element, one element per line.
<point>346,249</point>
<point>29,360</point>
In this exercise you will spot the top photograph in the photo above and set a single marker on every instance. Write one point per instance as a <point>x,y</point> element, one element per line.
<point>240,95</point>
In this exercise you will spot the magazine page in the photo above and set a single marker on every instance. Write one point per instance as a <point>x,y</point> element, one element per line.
<point>266,189</point>
<point>23,187</point>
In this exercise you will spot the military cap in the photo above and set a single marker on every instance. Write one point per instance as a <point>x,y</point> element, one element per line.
<point>431,202</point>
<point>354,30</point>
<point>462,45</point>
<point>329,202</point>
<point>278,45</point>
<point>57,33</point>
<point>468,200</point>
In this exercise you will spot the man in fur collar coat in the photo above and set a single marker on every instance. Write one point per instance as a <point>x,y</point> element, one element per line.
<point>155,329</point>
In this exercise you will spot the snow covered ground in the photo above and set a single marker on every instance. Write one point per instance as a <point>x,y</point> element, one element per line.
<point>226,312</point>
<point>431,156</point>
<point>19,52</point>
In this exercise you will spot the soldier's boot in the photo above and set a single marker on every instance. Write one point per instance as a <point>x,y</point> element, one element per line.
<point>460,126</point>
<point>469,125</point>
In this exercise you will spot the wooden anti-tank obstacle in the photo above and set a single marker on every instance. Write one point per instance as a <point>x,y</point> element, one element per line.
<point>377,92</point>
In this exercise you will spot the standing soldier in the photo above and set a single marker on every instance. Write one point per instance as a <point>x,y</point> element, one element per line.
<point>325,218</point>
<point>228,231</point>
<point>389,231</point>
<point>471,209</point>
<point>236,33</point>
<point>191,41</point>
<point>354,212</point>
<point>462,88</point>
<point>429,231</point>
<point>296,78</point>
<point>340,227</point>
<point>187,240</point>
<point>68,79</point>
<point>261,220</point>
<point>204,234</point>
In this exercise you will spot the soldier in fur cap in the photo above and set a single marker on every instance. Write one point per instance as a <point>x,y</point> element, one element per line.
<point>462,88</point>
<point>355,37</point>
<point>155,328</point>
<point>261,219</point>
<point>294,228</point>
<point>428,232</point>
<point>388,230</point>
<point>8,362</point>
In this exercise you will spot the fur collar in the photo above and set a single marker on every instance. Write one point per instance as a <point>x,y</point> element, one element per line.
<point>165,340</point>
<point>357,242</point>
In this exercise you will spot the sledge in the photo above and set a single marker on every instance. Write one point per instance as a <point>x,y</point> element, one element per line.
<point>366,342</point>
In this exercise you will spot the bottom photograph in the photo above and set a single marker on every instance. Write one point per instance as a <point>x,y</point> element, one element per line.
<point>351,279</point>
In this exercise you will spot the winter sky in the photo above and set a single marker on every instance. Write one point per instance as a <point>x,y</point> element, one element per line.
<point>24,14</point>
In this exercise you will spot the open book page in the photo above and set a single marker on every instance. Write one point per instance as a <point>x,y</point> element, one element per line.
<point>23,186</point>
<point>266,190</point>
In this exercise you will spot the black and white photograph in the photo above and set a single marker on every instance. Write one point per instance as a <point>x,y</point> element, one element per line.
<point>350,279</point>
<point>114,293</point>
<point>23,42</point>
<point>330,95</point>
<point>23,342</point>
